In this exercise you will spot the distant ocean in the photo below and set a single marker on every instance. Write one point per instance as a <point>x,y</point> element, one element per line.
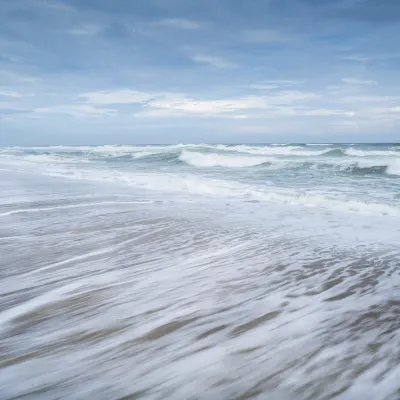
<point>200,272</point>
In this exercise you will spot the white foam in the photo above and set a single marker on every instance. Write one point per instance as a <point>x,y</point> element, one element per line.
<point>392,164</point>
<point>320,144</point>
<point>103,203</point>
<point>394,167</point>
<point>368,153</point>
<point>273,151</point>
<point>192,184</point>
<point>53,159</point>
<point>218,160</point>
<point>142,154</point>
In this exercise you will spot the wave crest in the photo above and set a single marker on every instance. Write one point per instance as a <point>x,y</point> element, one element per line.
<point>218,160</point>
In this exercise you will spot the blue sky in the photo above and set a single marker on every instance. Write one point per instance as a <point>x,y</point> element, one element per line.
<point>190,71</point>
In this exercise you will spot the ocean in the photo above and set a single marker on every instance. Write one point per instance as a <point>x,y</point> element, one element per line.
<point>200,272</point>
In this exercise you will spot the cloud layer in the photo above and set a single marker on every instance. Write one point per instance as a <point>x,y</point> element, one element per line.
<point>150,71</point>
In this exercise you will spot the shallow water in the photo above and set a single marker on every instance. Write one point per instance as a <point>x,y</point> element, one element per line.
<point>200,272</point>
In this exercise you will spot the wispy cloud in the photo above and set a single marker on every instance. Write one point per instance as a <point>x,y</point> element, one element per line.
<point>368,99</point>
<point>356,57</point>
<point>260,86</point>
<point>53,4</point>
<point>78,111</point>
<point>178,23</point>
<point>13,78</point>
<point>165,104</point>
<point>123,60</point>
<point>15,95</point>
<point>85,30</point>
<point>291,96</point>
<point>209,107</point>
<point>292,111</point>
<point>124,96</point>
<point>357,81</point>
<point>217,62</point>
<point>283,82</point>
<point>264,36</point>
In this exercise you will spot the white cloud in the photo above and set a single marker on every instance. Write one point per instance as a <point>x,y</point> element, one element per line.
<point>346,124</point>
<point>53,4</point>
<point>367,98</point>
<point>85,30</point>
<point>261,86</point>
<point>82,110</point>
<point>264,36</point>
<point>12,94</point>
<point>124,96</point>
<point>10,106</point>
<point>218,62</point>
<point>207,107</point>
<point>289,111</point>
<point>356,57</point>
<point>356,81</point>
<point>290,96</point>
<point>283,82</point>
<point>180,105</point>
<point>285,103</point>
<point>179,23</point>
<point>394,109</point>
<point>11,78</point>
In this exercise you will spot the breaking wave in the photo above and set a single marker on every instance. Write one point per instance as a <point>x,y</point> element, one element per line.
<point>219,160</point>
<point>196,185</point>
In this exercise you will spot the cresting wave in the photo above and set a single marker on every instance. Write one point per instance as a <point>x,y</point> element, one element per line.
<point>195,185</point>
<point>386,162</point>
<point>219,160</point>
<point>147,150</point>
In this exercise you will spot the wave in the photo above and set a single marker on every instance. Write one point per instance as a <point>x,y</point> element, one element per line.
<point>377,166</point>
<point>217,160</point>
<point>334,153</point>
<point>356,165</point>
<point>54,159</point>
<point>297,150</point>
<point>273,151</point>
<point>367,153</point>
<point>192,184</point>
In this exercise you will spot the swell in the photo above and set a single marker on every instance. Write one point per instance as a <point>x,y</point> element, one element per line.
<point>192,184</point>
<point>378,160</point>
<point>219,160</point>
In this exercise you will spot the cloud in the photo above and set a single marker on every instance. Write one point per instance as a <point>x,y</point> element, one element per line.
<point>290,96</point>
<point>6,106</point>
<point>10,58</point>
<point>178,23</point>
<point>289,111</point>
<point>53,4</point>
<point>217,62</point>
<point>163,104</point>
<point>264,36</point>
<point>12,78</point>
<point>345,125</point>
<point>182,105</point>
<point>207,107</point>
<point>124,96</point>
<point>356,81</point>
<point>12,94</point>
<point>85,30</point>
<point>283,82</point>
<point>368,98</point>
<point>356,58</point>
<point>78,111</point>
<point>260,86</point>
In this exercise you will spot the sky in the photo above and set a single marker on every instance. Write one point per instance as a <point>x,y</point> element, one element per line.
<point>197,71</point>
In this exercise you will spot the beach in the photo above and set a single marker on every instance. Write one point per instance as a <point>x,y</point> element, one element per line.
<point>200,272</point>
